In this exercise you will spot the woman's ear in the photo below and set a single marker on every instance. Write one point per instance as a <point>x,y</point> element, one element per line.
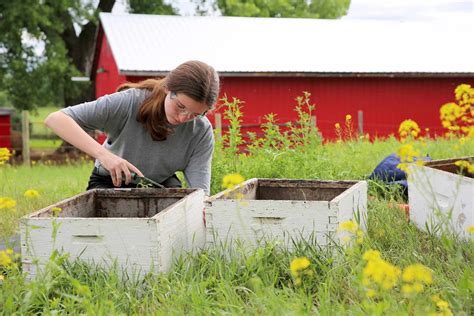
<point>166,90</point>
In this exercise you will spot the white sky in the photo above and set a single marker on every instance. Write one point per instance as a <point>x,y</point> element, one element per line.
<point>412,10</point>
<point>451,11</point>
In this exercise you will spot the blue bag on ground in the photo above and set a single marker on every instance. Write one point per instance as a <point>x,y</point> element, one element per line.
<point>387,171</point>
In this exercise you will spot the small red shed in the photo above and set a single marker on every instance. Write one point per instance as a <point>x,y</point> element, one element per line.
<point>5,128</point>
<point>391,71</point>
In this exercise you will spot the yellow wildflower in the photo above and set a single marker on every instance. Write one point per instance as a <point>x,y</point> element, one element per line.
<point>360,237</point>
<point>5,154</point>
<point>371,255</point>
<point>337,126</point>
<point>348,117</point>
<point>407,154</point>
<point>465,165</point>
<point>31,193</point>
<point>443,306</point>
<point>407,289</point>
<point>231,180</point>
<point>379,271</point>
<point>408,128</point>
<point>7,203</point>
<point>418,287</point>
<point>349,226</point>
<point>6,258</point>
<point>417,272</point>
<point>56,210</point>
<point>345,240</point>
<point>458,117</point>
<point>371,293</point>
<point>470,229</point>
<point>299,264</point>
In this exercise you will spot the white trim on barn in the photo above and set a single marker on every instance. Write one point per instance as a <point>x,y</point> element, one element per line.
<point>153,45</point>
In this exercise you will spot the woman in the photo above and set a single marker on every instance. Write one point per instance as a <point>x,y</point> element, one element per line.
<point>154,127</point>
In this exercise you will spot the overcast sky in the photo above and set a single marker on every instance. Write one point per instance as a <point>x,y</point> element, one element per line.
<point>453,11</point>
<point>412,10</point>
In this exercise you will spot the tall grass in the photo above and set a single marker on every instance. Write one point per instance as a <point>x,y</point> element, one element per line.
<point>235,280</point>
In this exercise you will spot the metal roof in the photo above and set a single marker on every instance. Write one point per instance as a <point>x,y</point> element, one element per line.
<point>155,44</point>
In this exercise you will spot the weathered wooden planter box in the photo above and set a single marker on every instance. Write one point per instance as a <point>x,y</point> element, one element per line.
<point>440,196</point>
<point>285,210</point>
<point>142,229</point>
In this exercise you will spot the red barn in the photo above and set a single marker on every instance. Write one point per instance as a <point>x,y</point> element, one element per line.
<point>391,71</point>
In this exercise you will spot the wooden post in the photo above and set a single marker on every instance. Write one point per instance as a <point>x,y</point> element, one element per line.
<point>361,122</point>
<point>25,135</point>
<point>218,123</point>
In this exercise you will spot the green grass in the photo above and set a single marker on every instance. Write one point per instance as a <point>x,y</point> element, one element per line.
<point>38,144</point>
<point>38,129</point>
<point>41,113</point>
<point>232,280</point>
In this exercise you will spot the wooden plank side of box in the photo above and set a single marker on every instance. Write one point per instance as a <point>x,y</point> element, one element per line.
<point>253,220</point>
<point>437,196</point>
<point>181,228</point>
<point>133,242</point>
<point>351,205</point>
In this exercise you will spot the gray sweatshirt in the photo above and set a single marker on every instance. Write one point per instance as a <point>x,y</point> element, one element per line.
<point>189,148</point>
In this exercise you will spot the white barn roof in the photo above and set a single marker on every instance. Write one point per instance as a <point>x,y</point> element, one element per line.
<point>154,44</point>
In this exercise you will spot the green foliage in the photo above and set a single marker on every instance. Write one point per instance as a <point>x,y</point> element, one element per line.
<point>41,50</point>
<point>319,9</point>
<point>237,280</point>
<point>151,7</point>
<point>227,279</point>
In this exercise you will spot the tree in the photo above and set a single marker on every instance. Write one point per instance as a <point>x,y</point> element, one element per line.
<point>43,43</point>
<point>151,7</point>
<point>319,9</point>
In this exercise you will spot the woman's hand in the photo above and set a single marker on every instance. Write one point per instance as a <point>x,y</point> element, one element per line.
<point>117,167</point>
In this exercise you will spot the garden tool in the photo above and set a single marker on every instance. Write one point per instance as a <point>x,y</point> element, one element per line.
<point>136,179</point>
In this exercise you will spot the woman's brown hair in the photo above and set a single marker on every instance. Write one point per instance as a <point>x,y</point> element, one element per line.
<point>195,79</point>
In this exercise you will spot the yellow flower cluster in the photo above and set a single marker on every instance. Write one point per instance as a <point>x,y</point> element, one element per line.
<point>5,154</point>
<point>465,165</point>
<point>56,210</point>
<point>231,180</point>
<point>349,226</point>
<point>470,229</point>
<point>6,258</point>
<point>31,193</point>
<point>353,228</point>
<point>443,307</point>
<point>458,117</point>
<point>408,128</point>
<point>7,203</point>
<point>298,267</point>
<point>407,154</point>
<point>415,277</point>
<point>346,131</point>
<point>378,274</point>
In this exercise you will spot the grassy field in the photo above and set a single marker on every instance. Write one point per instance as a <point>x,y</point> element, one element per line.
<point>391,269</point>
<point>237,281</point>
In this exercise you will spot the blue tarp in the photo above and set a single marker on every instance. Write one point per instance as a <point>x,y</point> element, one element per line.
<point>388,172</point>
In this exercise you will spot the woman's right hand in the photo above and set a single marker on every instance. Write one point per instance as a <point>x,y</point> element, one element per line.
<point>117,167</point>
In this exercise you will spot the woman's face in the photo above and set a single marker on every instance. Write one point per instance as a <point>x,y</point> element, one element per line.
<point>180,108</point>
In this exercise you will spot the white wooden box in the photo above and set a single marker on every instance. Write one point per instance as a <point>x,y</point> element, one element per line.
<point>440,196</point>
<point>285,210</point>
<point>142,229</point>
